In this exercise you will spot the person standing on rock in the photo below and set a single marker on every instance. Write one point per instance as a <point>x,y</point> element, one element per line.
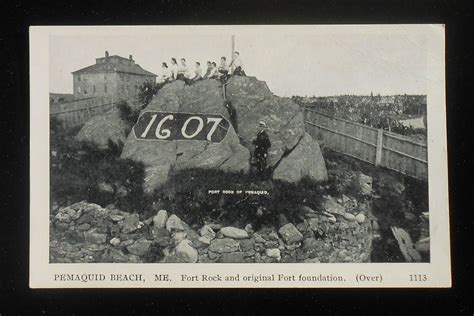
<point>174,68</point>
<point>237,65</point>
<point>262,144</point>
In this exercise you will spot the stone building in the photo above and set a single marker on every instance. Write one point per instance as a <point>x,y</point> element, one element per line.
<point>113,77</point>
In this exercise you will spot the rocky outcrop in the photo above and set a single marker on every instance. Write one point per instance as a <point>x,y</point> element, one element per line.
<point>254,102</point>
<point>305,160</point>
<point>104,127</point>
<point>161,157</point>
<point>292,155</point>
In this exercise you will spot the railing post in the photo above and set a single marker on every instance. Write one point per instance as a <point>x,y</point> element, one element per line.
<point>378,153</point>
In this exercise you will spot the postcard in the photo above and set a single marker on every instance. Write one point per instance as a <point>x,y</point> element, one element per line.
<point>251,156</point>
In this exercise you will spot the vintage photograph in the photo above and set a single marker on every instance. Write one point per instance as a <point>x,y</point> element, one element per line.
<point>238,149</point>
<point>272,153</point>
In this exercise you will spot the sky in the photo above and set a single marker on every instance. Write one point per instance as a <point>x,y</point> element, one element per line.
<point>319,61</point>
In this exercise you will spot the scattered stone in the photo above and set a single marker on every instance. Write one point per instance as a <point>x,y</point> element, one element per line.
<point>116,217</point>
<point>204,240</point>
<point>179,236</point>
<point>207,232</point>
<point>258,238</point>
<point>174,222</point>
<point>333,207</point>
<point>62,216</point>
<point>115,241</point>
<point>272,236</point>
<point>302,226</point>
<point>75,236</point>
<point>293,246</point>
<point>290,234</point>
<point>160,219</point>
<point>350,217</point>
<point>148,221</point>
<point>115,256</point>
<point>83,227</point>
<point>233,232</point>
<point>272,244</point>
<point>233,257</point>
<point>126,243</point>
<point>313,223</point>
<point>308,210</point>
<point>95,238</point>
<point>185,252</point>
<point>214,226</point>
<point>249,228</point>
<point>273,253</point>
<point>130,223</point>
<point>224,245</point>
<point>246,244</point>
<point>213,255</point>
<point>191,235</point>
<point>360,218</point>
<point>140,247</point>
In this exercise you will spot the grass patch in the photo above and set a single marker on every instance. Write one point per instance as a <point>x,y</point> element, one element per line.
<point>187,195</point>
<point>78,168</point>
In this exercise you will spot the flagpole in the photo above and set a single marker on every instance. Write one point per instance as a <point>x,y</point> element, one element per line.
<point>232,47</point>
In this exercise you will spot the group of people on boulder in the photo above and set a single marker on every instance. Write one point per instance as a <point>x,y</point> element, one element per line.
<point>222,72</point>
<point>183,72</point>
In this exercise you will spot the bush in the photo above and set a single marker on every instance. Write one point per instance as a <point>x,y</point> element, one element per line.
<point>147,92</point>
<point>78,169</point>
<point>128,114</point>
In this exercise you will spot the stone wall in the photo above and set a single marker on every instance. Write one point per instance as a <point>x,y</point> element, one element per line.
<point>85,232</point>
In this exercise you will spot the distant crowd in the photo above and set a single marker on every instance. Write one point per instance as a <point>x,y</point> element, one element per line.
<point>183,72</point>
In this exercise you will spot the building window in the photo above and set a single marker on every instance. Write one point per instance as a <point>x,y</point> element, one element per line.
<point>78,89</point>
<point>85,90</point>
<point>79,78</point>
<point>105,88</point>
<point>93,89</point>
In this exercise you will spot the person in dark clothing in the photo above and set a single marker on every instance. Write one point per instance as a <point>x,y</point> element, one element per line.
<point>262,144</point>
<point>232,114</point>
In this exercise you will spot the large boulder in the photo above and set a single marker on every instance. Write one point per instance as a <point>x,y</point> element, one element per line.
<point>101,128</point>
<point>305,160</point>
<point>254,102</point>
<point>161,157</point>
<point>293,153</point>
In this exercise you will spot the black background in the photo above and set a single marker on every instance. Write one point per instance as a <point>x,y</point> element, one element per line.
<point>17,298</point>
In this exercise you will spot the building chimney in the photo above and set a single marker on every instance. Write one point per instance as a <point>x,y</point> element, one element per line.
<point>106,53</point>
<point>130,57</point>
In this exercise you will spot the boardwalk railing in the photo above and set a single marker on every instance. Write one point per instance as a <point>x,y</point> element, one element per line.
<point>375,146</point>
<point>78,112</point>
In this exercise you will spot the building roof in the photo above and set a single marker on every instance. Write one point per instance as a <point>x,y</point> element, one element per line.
<point>114,63</point>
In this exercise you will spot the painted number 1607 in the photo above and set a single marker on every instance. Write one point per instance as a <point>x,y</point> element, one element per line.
<point>181,126</point>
